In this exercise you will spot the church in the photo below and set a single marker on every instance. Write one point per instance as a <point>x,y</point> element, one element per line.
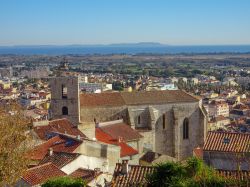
<point>171,122</point>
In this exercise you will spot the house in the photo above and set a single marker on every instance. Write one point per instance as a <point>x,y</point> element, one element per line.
<point>218,108</point>
<point>227,150</point>
<point>130,175</point>
<point>38,175</point>
<point>219,122</point>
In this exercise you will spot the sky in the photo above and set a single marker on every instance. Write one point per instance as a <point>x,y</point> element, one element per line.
<point>173,22</point>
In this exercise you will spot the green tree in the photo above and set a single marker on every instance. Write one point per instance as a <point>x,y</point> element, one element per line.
<point>65,182</point>
<point>194,173</point>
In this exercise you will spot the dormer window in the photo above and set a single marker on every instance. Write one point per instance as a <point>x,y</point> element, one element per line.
<point>64,92</point>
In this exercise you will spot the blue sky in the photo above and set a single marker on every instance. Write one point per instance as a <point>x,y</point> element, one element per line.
<point>176,22</point>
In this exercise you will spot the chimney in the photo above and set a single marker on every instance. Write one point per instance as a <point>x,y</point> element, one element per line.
<point>125,168</point>
<point>96,123</point>
<point>50,151</point>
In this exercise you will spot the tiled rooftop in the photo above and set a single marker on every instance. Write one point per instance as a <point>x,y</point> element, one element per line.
<point>121,130</point>
<point>40,174</point>
<point>58,143</point>
<point>59,159</point>
<point>227,142</point>
<point>135,98</point>
<point>126,150</point>
<point>58,125</point>
<point>135,177</point>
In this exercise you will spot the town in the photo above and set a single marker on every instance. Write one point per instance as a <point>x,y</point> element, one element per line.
<point>110,119</point>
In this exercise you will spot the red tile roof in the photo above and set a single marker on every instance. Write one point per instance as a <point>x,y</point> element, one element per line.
<point>227,142</point>
<point>58,143</point>
<point>59,159</point>
<point>101,99</point>
<point>135,98</point>
<point>40,174</point>
<point>126,150</point>
<point>85,174</point>
<point>58,125</point>
<point>121,130</point>
<point>135,177</point>
<point>238,175</point>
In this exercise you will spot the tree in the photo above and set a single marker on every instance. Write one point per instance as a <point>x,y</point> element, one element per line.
<point>193,173</point>
<point>65,182</point>
<point>12,144</point>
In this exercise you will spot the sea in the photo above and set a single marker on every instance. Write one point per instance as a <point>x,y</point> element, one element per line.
<point>105,50</point>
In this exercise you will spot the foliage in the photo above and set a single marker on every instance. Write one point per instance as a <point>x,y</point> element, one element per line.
<point>12,144</point>
<point>194,173</point>
<point>64,181</point>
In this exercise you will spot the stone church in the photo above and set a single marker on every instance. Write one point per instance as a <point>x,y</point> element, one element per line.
<point>171,122</point>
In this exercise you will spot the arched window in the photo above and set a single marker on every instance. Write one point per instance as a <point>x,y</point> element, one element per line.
<point>64,92</point>
<point>186,128</point>
<point>65,110</point>
<point>139,120</point>
<point>164,121</point>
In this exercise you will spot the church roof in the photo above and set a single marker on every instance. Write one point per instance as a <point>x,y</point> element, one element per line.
<point>135,98</point>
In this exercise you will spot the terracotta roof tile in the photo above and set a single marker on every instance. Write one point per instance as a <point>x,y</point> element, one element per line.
<point>238,175</point>
<point>101,99</point>
<point>135,98</point>
<point>135,177</point>
<point>126,150</point>
<point>40,174</point>
<point>58,125</point>
<point>227,142</point>
<point>58,143</point>
<point>121,130</point>
<point>85,174</point>
<point>59,159</point>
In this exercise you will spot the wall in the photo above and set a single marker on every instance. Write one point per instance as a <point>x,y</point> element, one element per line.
<point>226,161</point>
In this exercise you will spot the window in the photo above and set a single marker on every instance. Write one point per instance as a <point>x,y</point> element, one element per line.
<point>164,121</point>
<point>185,128</point>
<point>139,120</point>
<point>64,110</point>
<point>64,92</point>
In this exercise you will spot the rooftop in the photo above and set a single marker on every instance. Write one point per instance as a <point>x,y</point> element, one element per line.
<point>58,125</point>
<point>135,98</point>
<point>42,173</point>
<point>59,159</point>
<point>227,142</point>
<point>135,177</point>
<point>58,143</point>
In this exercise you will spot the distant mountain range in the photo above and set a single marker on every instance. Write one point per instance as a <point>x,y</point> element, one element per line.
<point>140,44</point>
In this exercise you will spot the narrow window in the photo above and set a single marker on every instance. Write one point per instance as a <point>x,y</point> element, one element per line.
<point>164,121</point>
<point>64,92</point>
<point>64,110</point>
<point>139,120</point>
<point>185,128</point>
